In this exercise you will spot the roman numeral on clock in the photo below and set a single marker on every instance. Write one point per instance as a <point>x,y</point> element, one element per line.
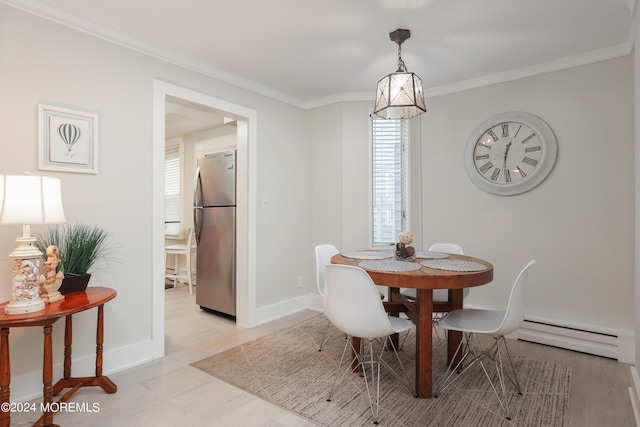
<point>484,168</point>
<point>507,175</point>
<point>505,130</point>
<point>528,138</point>
<point>482,157</point>
<point>532,149</point>
<point>495,174</point>
<point>518,131</point>
<point>530,161</point>
<point>493,135</point>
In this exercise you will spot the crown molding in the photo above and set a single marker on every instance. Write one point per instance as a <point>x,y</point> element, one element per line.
<point>535,70</point>
<point>106,34</point>
<point>67,20</point>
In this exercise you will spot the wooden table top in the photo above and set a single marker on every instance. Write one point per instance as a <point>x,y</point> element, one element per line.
<point>72,303</point>
<point>426,278</point>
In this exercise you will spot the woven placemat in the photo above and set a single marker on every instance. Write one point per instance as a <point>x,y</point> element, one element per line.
<point>368,254</point>
<point>453,265</point>
<point>431,255</point>
<point>390,265</point>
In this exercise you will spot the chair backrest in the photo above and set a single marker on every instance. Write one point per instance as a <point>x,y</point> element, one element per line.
<point>323,258</point>
<point>190,238</point>
<point>352,302</point>
<point>450,248</point>
<point>514,314</point>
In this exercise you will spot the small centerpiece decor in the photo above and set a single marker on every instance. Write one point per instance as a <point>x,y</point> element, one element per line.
<point>404,250</point>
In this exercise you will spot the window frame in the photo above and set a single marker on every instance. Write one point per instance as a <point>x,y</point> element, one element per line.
<point>405,181</point>
<point>171,231</point>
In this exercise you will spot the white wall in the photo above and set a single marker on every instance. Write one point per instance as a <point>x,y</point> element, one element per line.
<point>311,167</point>
<point>43,62</point>
<point>578,224</point>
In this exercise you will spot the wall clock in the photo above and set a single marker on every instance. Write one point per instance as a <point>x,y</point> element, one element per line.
<point>510,153</point>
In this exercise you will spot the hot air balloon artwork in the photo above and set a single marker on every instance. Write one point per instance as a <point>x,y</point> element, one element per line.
<point>70,134</point>
<point>68,140</point>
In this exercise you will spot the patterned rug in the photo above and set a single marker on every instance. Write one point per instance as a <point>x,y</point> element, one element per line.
<point>287,370</point>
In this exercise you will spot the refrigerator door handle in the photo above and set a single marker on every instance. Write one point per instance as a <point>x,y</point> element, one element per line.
<point>197,223</point>
<point>197,206</point>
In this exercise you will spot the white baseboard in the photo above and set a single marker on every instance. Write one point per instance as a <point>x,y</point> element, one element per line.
<point>28,386</point>
<point>281,309</point>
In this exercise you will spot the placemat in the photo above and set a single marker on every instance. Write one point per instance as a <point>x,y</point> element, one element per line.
<point>431,255</point>
<point>368,254</point>
<point>453,265</point>
<point>390,265</point>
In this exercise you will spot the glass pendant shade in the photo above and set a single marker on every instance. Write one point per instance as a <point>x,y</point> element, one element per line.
<point>399,96</point>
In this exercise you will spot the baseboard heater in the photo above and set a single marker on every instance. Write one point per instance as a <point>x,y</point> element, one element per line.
<point>570,338</point>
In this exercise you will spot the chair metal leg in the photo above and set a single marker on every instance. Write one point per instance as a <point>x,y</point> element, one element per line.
<point>375,361</point>
<point>325,337</point>
<point>494,354</point>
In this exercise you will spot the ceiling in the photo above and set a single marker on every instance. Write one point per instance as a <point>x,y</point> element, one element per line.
<point>304,52</point>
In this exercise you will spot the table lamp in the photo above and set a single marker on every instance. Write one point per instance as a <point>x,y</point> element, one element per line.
<point>26,200</point>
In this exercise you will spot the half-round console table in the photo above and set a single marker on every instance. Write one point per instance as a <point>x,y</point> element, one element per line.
<point>72,303</point>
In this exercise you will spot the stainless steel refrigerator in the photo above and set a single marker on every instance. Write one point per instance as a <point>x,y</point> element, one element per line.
<point>214,217</point>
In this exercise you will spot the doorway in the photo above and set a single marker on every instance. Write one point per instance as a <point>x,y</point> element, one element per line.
<point>246,220</point>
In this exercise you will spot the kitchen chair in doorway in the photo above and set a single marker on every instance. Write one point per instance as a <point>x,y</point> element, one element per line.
<point>495,323</point>
<point>176,250</point>
<point>352,303</point>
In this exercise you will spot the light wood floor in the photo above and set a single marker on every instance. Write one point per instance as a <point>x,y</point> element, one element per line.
<point>168,392</point>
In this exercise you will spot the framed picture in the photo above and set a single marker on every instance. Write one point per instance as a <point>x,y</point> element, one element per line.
<point>67,140</point>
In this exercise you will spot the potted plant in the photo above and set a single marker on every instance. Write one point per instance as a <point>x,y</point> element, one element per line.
<point>80,247</point>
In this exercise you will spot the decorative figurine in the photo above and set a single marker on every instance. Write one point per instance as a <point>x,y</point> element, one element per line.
<point>404,252</point>
<point>51,281</point>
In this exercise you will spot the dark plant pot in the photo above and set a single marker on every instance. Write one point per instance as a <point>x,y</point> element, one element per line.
<point>74,283</point>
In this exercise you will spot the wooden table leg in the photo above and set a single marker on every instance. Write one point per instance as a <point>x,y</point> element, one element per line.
<point>75,383</point>
<point>47,378</point>
<point>454,337</point>
<point>5,378</point>
<point>68,339</point>
<point>424,357</point>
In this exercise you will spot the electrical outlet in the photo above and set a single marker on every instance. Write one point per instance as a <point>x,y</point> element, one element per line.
<point>300,281</point>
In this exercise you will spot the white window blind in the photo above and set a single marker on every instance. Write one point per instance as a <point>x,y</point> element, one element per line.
<point>172,205</point>
<point>390,139</point>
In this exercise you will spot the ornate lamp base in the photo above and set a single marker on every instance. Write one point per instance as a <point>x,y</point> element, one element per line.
<point>23,307</point>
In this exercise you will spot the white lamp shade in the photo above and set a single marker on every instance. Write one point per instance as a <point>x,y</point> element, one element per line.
<point>31,200</point>
<point>399,96</point>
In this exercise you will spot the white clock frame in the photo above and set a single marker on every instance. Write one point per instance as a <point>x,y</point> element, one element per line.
<point>548,142</point>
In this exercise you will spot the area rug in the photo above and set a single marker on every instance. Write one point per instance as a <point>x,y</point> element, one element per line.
<point>287,370</point>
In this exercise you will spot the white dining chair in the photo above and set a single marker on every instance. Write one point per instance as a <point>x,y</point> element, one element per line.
<point>323,258</point>
<point>352,304</point>
<point>495,323</point>
<point>187,249</point>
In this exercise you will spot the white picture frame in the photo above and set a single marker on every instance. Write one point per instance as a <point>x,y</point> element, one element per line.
<point>67,140</point>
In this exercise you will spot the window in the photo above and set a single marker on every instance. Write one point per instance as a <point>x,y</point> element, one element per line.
<point>172,190</point>
<point>390,172</point>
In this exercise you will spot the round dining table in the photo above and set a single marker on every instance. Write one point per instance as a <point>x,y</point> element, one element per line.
<point>443,273</point>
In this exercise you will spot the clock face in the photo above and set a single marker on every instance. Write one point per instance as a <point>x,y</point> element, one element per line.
<point>510,153</point>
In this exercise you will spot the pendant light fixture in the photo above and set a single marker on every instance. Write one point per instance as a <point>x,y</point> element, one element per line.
<point>399,95</point>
